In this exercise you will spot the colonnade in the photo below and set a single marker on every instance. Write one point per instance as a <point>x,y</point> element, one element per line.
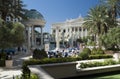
<point>70,33</point>
<point>32,36</point>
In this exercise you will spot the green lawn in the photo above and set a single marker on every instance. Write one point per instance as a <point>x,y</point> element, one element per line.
<point>117,76</point>
<point>109,75</point>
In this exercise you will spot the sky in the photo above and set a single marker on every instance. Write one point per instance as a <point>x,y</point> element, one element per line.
<point>60,10</point>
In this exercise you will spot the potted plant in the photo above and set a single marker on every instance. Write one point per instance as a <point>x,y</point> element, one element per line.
<point>9,61</point>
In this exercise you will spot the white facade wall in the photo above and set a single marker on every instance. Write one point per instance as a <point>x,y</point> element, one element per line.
<point>72,29</point>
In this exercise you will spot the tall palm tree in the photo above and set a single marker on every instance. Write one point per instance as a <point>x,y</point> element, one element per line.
<point>97,21</point>
<point>114,9</point>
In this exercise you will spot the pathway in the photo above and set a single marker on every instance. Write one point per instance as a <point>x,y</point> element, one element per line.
<point>9,73</point>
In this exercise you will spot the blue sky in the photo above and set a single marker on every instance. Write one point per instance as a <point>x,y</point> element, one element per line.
<point>60,10</point>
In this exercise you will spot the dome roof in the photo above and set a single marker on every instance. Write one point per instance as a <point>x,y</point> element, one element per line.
<point>34,14</point>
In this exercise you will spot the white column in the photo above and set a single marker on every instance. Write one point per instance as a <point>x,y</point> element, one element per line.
<point>32,35</point>
<point>72,40</point>
<point>78,32</point>
<point>57,38</point>
<point>29,43</point>
<point>85,32</point>
<point>70,32</point>
<point>41,38</point>
<point>82,34</point>
<point>35,41</point>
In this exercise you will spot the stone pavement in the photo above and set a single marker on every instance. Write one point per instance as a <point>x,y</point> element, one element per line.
<point>9,73</point>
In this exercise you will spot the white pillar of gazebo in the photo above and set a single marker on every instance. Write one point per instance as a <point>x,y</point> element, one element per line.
<point>32,35</point>
<point>41,37</point>
<point>29,43</point>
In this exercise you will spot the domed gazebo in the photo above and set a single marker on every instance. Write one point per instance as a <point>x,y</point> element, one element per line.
<point>34,19</point>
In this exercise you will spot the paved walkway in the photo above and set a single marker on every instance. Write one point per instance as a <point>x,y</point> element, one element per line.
<point>9,73</point>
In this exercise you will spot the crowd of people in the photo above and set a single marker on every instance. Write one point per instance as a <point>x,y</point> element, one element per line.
<point>69,52</point>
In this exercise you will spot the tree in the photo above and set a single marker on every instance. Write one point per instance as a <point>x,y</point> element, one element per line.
<point>1,21</point>
<point>97,21</point>
<point>11,35</point>
<point>18,33</point>
<point>113,7</point>
<point>13,7</point>
<point>111,40</point>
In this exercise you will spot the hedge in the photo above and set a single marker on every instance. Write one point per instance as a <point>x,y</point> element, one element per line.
<point>85,53</point>
<point>100,56</point>
<point>39,54</point>
<point>2,63</point>
<point>96,64</point>
<point>50,60</point>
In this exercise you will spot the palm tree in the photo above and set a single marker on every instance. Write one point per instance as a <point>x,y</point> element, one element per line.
<point>114,9</point>
<point>111,40</point>
<point>97,21</point>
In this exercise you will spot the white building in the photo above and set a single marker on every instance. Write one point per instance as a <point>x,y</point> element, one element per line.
<point>69,31</point>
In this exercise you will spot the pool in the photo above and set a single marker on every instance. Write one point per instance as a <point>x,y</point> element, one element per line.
<point>110,75</point>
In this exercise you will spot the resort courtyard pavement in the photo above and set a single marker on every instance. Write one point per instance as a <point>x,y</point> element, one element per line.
<point>11,73</point>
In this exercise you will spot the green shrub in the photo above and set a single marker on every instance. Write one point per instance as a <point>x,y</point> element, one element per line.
<point>93,52</point>
<point>97,64</point>
<point>32,76</point>
<point>39,54</point>
<point>91,64</point>
<point>49,60</point>
<point>3,56</point>
<point>100,56</point>
<point>100,51</point>
<point>110,62</point>
<point>2,63</point>
<point>119,61</point>
<point>85,53</point>
<point>97,51</point>
<point>26,72</point>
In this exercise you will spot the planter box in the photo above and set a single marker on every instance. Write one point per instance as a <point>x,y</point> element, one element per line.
<point>8,63</point>
<point>97,70</point>
<point>66,70</point>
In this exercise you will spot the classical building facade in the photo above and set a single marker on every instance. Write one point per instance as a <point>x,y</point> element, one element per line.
<point>69,31</point>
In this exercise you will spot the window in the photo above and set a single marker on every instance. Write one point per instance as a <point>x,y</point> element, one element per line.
<point>76,29</point>
<point>72,28</point>
<point>64,31</point>
<point>54,31</point>
<point>79,28</point>
<point>83,29</point>
<point>59,30</point>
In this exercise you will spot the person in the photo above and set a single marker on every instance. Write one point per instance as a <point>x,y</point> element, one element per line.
<point>56,54</point>
<point>49,54</point>
<point>9,56</point>
<point>66,54</point>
